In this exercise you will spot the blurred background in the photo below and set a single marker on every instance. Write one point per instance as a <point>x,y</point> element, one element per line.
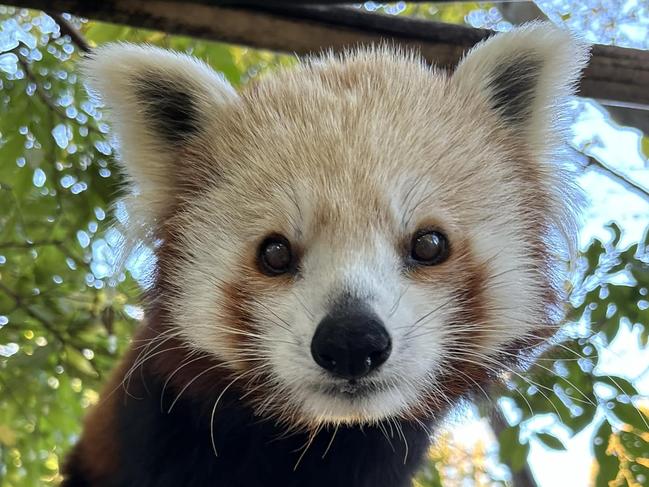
<point>67,312</point>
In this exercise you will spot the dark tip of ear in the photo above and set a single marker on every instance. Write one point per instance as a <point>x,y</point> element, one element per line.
<point>170,108</point>
<point>513,86</point>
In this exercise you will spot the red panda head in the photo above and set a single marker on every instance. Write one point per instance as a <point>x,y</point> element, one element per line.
<point>359,237</point>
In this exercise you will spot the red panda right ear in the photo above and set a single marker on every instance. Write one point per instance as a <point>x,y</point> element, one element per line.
<point>526,76</point>
<point>158,103</point>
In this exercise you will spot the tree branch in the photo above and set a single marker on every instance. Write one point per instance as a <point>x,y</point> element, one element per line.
<point>614,73</point>
<point>33,313</point>
<point>47,99</point>
<point>29,245</point>
<point>524,477</point>
<point>618,177</point>
<point>68,29</point>
<point>47,324</point>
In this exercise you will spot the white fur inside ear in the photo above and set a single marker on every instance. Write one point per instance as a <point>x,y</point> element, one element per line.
<point>526,75</point>
<point>155,99</point>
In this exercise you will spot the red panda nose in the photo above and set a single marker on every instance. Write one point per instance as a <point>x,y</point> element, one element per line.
<point>350,345</point>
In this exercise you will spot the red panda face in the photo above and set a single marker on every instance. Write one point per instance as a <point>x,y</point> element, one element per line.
<point>358,238</point>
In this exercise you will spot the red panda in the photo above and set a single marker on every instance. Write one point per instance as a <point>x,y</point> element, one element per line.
<point>344,251</point>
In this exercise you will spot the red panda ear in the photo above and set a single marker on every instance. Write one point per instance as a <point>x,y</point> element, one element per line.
<point>525,75</point>
<point>158,103</point>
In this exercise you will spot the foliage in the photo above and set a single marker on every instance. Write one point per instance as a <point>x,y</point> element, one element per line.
<point>63,324</point>
<point>448,464</point>
<point>65,318</point>
<point>566,383</point>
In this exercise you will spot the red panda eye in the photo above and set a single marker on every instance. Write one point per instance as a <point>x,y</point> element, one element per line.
<point>429,247</point>
<point>275,256</point>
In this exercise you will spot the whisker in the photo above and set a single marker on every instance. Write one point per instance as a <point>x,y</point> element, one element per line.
<point>307,446</point>
<point>216,403</point>
<point>333,436</point>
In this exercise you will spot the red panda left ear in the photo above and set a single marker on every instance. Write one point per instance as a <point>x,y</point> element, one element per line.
<point>525,75</point>
<point>159,103</point>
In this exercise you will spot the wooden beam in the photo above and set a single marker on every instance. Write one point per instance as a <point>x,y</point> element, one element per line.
<point>615,74</point>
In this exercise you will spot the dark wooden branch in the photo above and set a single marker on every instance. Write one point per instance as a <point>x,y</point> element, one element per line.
<point>614,73</point>
<point>239,3</point>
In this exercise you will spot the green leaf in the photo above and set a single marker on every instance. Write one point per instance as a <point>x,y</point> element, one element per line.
<point>79,362</point>
<point>621,385</point>
<point>578,423</point>
<point>593,253</point>
<point>629,414</point>
<point>634,444</point>
<point>609,465</point>
<point>512,452</point>
<point>507,438</point>
<point>518,457</point>
<point>551,441</point>
<point>644,146</point>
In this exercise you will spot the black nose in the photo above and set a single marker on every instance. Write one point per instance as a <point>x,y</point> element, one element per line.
<point>350,345</point>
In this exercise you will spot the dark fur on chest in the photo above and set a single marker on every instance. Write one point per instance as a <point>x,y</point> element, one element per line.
<point>171,449</point>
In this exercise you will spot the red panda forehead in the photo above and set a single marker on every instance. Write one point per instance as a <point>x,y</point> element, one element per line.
<point>371,73</point>
<point>334,147</point>
<point>362,97</point>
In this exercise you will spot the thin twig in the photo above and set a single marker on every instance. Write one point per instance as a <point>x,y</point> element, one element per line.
<point>29,245</point>
<point>68,29</point>
<point>33,313</point>
<point>524,477</point>
<point>47,324</point>
<point>617,176</point>
<point>47,99</point>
